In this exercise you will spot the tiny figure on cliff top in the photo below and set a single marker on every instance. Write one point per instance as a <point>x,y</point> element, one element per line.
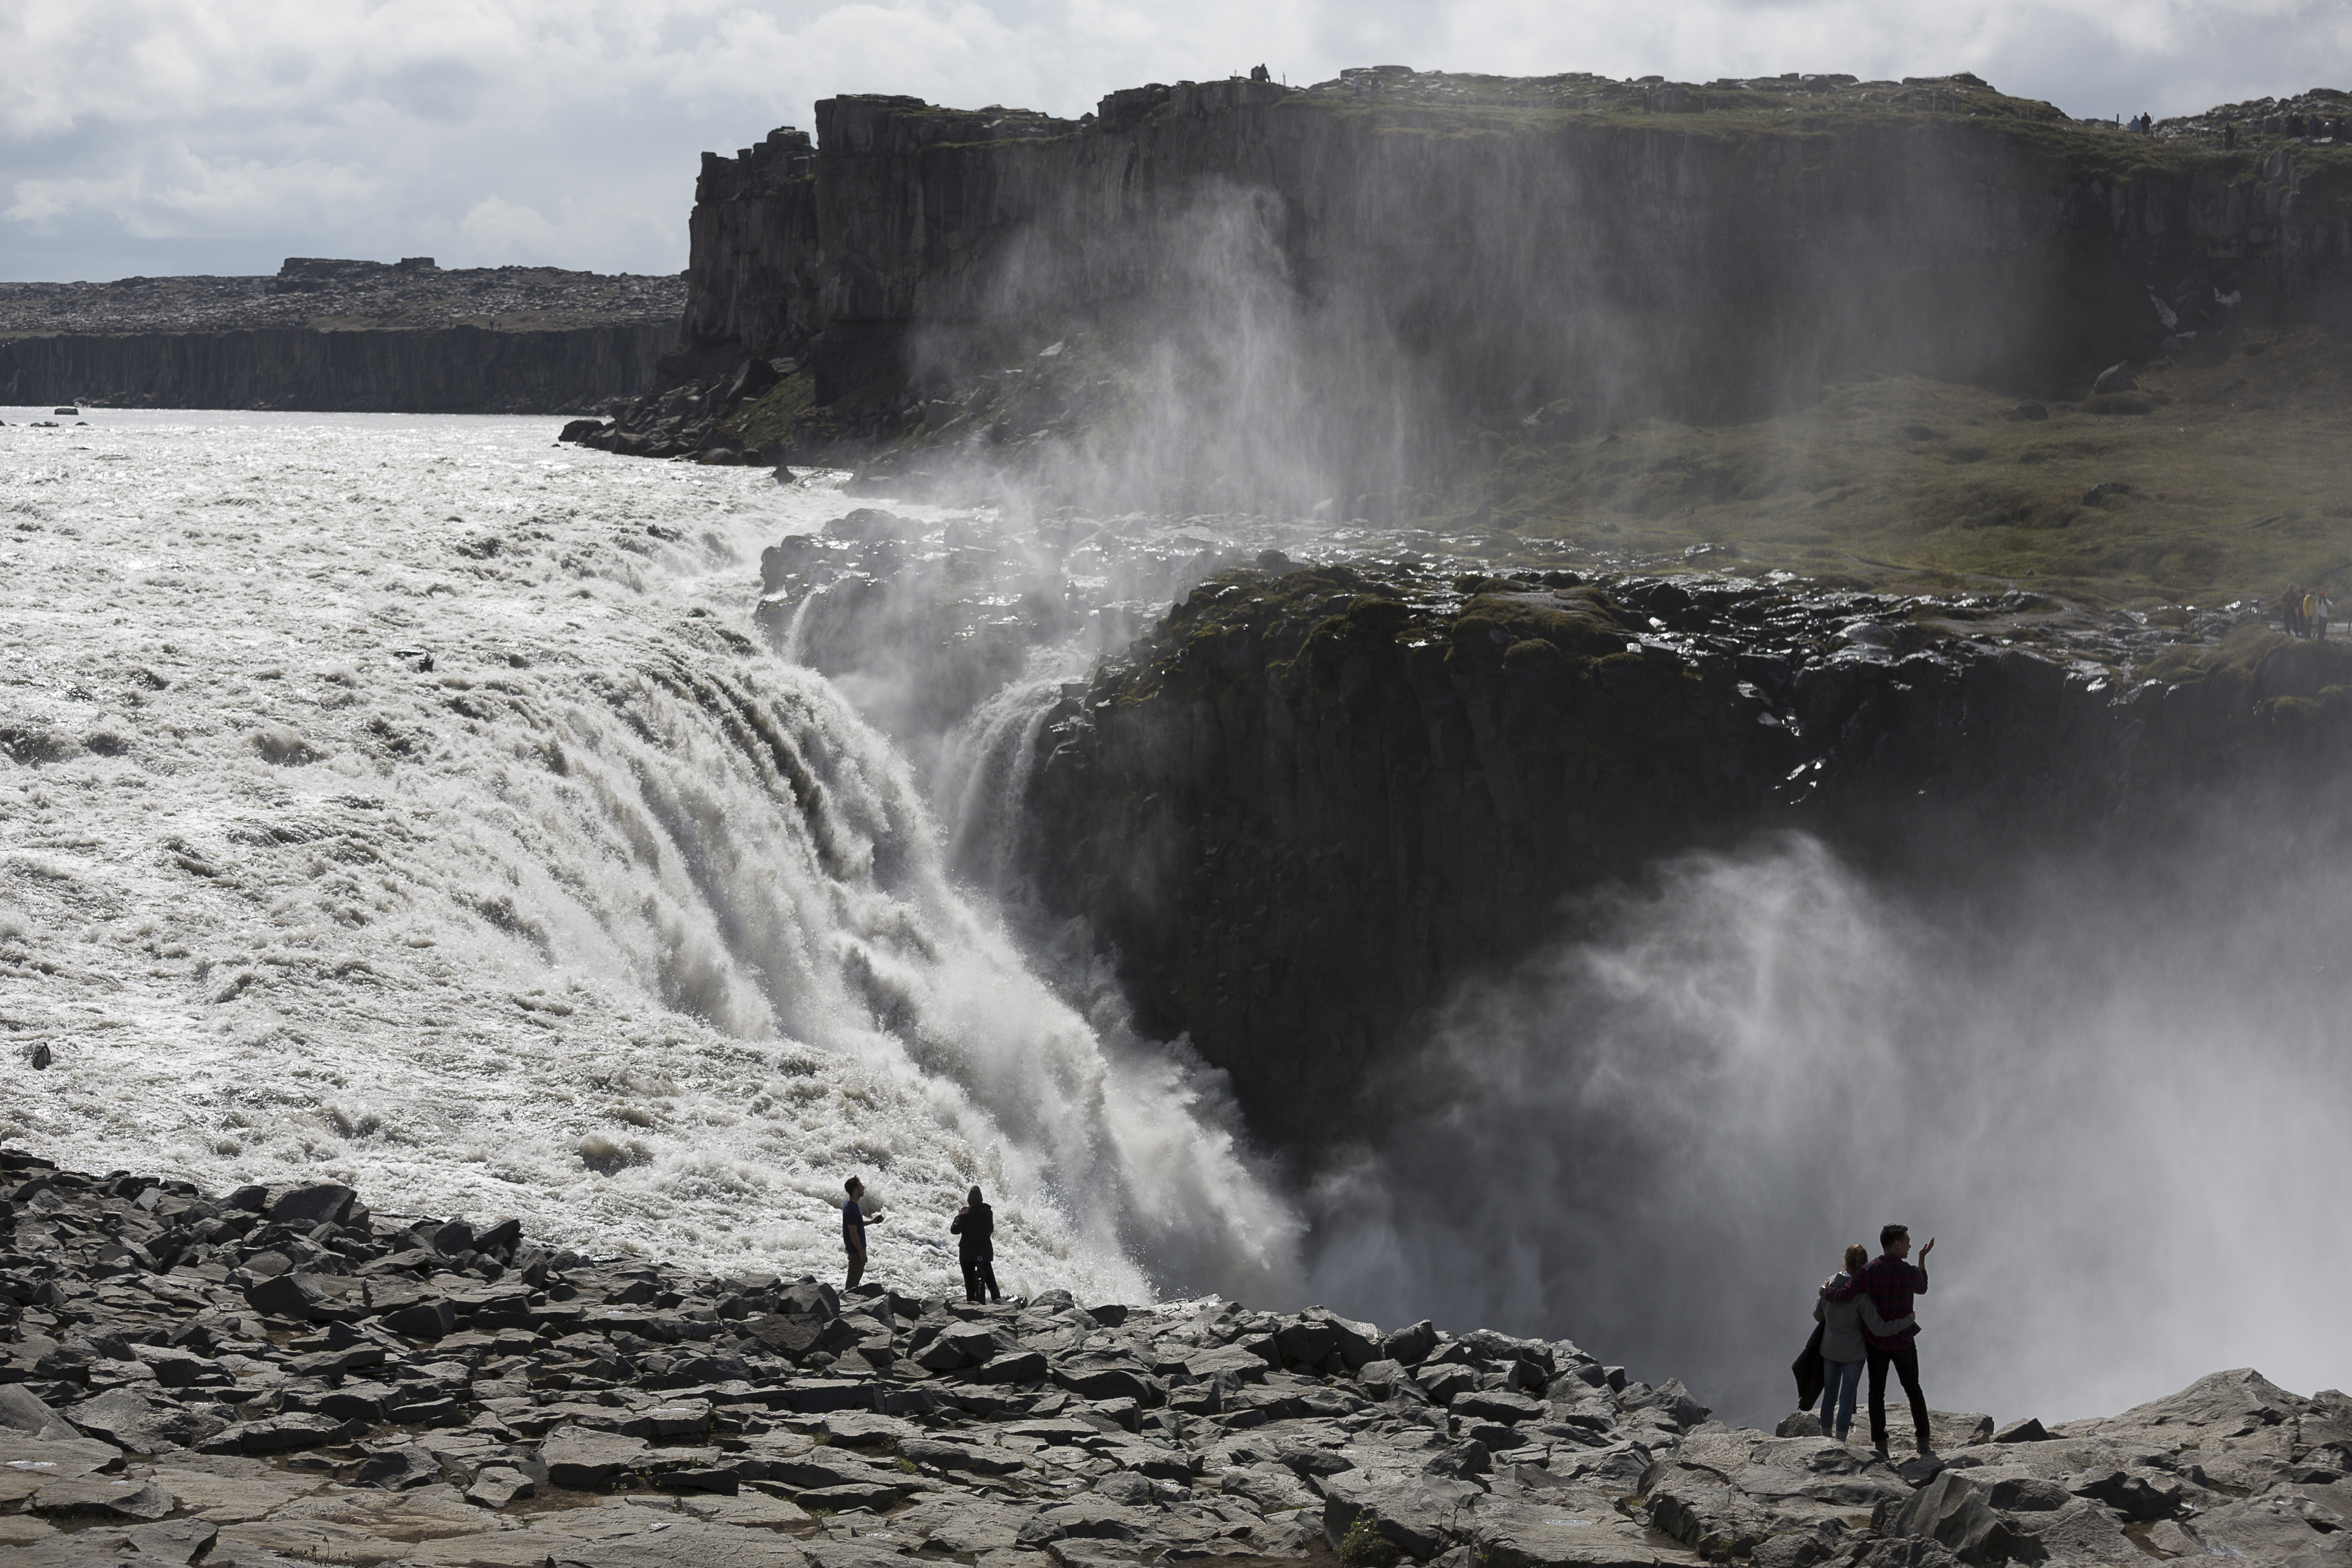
<point>2291,611</point>
<point>974,1228</point>
<point>1890,1282</point>
<point>853,1221</point>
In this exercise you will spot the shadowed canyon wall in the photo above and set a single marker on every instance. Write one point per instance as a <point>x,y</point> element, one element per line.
<point>1309,807</point>
<point>1491,243</point>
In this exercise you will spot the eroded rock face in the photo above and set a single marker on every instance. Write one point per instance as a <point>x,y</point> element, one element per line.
<point>1307,805</point>
<point>911,255</point>
<point>596,1414</point>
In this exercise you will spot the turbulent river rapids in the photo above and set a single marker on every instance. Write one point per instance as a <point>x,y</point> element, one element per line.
<point>400,799</point>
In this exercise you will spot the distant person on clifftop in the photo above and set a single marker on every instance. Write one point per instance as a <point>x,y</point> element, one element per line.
<point>853,1221</point>
<point>2291,612</point>
<point>1843,1323</point>
<point>2314,614</point>
<point>1890,1282</point>
<point>974,1227</point>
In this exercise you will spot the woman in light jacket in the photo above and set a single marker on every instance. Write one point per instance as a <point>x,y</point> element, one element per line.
<point>1842,1323</point>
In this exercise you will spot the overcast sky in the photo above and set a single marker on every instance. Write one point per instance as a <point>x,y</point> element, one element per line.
<point>164,136</point>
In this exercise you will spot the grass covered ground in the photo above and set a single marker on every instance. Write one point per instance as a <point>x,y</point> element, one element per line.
<point>2206,483</point>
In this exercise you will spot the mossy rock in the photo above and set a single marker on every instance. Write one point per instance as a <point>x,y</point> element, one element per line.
<point>1377,614</point>
<point>1578,621</point>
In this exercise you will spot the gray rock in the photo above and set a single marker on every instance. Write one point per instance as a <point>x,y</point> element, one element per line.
<point>2140,1497</point>
<point>2270,1530</point>
<point>2028,1430</point>
<point>398,1469</point>
<point>1090,1520</point>
<point>1411,1347</point>
<point>1802,1423</point>
<point>109,1497</point>
<point>1954,1512</point>
<point>578,1459</point>
<point>1417,1513</point>
<point>280,1434</point>
<point>173,1540</point>
<point>23,1415</point>
<point>142,1425</point>
<point>495,1486</point>
<point>1482,1405</point>
<point>2221,1404</point>
<point>2028,1494</point>
<point>325,1203</point>
<point>684,1543</point>
<point>1585,1531</point>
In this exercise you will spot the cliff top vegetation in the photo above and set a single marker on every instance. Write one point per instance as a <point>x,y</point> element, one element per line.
<point>2204,482</point>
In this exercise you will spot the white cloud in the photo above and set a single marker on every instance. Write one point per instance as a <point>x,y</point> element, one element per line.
<point>143,134</point>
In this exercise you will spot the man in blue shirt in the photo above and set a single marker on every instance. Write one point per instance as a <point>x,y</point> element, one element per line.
<point>853,1221</point>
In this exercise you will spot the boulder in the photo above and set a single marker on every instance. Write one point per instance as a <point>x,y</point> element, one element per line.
<point>398,1469</point>
<point>106,1497</point>
<point>323,1202</point>
<point>578,1459</point>
<point>305,1298</point>
<point>280,1434</point>
<point>2222,1404</point>
<point>1419,1514</point>
<point>1411,1347</point>
<point>495,1486</point>
<point>23,1415</point>
<point>173,1540</point>
<point>142,1425</point>
<point>1955,1512</point>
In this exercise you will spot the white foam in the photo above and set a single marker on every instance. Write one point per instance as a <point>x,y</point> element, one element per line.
<point>608,876</point>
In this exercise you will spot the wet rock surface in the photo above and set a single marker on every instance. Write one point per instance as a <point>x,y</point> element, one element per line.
<point>158,1402</point>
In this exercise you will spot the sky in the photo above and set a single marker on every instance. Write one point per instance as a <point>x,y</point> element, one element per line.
<point>159,137</point>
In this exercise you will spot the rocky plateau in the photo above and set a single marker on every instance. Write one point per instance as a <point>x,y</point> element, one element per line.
<point>281,1375</point>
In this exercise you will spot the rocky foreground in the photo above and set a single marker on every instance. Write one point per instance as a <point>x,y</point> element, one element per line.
<point>276,1374</point>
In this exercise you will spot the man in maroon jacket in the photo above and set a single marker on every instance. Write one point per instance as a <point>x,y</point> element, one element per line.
<point>1891,1282</point>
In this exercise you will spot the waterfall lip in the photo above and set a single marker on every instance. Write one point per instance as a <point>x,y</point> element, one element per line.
<point>608,917</point>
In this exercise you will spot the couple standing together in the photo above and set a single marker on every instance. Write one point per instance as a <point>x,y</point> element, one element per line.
<point>974,1228</point>
<point>1866,1319</point>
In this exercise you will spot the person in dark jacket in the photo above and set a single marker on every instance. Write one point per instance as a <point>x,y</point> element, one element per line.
<point>1890,1282</point>
<point>1844,1350</point>
<point>974,1227</point>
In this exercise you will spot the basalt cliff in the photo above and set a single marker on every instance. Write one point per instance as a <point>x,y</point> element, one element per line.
<point>341,336</point>
<point>1331,286</point>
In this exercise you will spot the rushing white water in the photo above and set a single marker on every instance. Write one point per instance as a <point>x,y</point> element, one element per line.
<point>608,917</point>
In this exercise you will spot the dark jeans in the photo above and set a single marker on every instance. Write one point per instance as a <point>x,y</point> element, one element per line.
<point>980,1273</point>
<point>1906,1360</point>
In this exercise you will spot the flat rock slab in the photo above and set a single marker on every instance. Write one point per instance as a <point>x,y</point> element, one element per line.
<point>1537,1535</point>
<point>682,1543</point>
<point>110,1496</point>
<point>854,1494</point>
<point>232,1499</point>
<point>755,1511</point>
<point>579,1461</point>
<point>964,1526</point>
<point>174,1541</point>
<point>24,1528</point>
